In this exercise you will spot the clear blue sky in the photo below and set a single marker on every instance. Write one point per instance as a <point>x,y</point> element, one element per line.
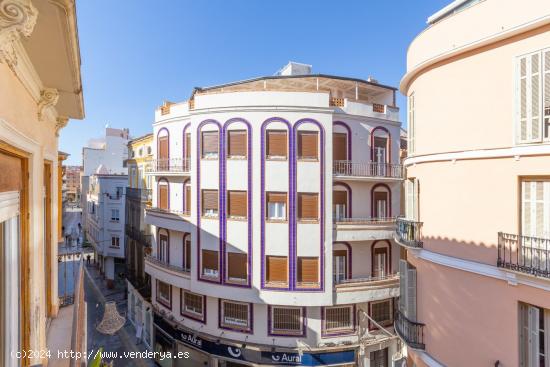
<point>137,53</point>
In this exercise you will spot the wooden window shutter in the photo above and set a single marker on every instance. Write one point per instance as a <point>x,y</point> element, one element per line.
<point>340,197</point>
<point>277,269</point>
<point>237,265</point>
<point>307,206</point>
<point>276,197</point>
<point>339,147</point>
<point>163,196</point>
<point>209,143</point>
<point>209,259</point>
<point>276,143</point>
<point>209,200</point>
<point>188,145</point>
<point>14,180</point>
<point>307,144</point>
<point>237,143</point>
<point>188,198</point>
<point>308,270</point>
<point>237,205</point>
<point>343,253</point>
<point>187,262</point>
<point>163,147</point>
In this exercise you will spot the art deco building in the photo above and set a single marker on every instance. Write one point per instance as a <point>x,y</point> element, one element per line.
<point>273,216</point>
<point>476,286</point>
<point>40,89</point>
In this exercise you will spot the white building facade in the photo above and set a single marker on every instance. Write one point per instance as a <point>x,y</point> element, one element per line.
<point>273,208</point>
<point>105,207</point>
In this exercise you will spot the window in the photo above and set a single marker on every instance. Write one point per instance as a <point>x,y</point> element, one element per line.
<point>533,335</point>
<point>412,130</point>
<point>163,194</point>
<point>381,202</point>
<point>286,321</point>
<point>380,150</point>
<point>148,150</point>
<point>140,152</point>
<point>237,204</point>
<point>308,207</point>
<point>187,252</point>
<point>163,249</point>
<point>210,203</point>
<point>535,209</point>
<point>210,263</point>
<point>276,144</point>
<point>164,294</point>
<point>119,192</point>
<point>115,215</point>
<point>307,144</point>
<point>533,97</point>
<point>115,241</point>
<point>411,200</point>
<point>235,315</point>
<point>339,205</point>
<point>308,271</point>
<point>187,199</point>
<point>236,144</point>
<point>340,265</point>
<point>192,305</point>
<point>407,290</point>
<point>381,312</point>
<point>339,146</point>
<point>237,267</point>
<point>380,261</point>
<point>277,270</point>
<point>379,358</point>
<point>337,320</point>
<point>276,205</point>
<point>210,144</point>
<point>187,152</point>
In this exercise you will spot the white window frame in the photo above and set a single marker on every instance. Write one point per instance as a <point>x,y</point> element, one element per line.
<point>115,241</point>
<point>161,297</point>
<point>115,215</point>
<point>279,211</point>
<point>189,311</point>
<point>235,324</point>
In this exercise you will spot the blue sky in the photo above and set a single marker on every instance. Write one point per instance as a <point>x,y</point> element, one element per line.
<point>137,53</point>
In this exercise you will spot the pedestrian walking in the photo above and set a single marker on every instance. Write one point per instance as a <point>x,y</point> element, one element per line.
<point>88,257</point>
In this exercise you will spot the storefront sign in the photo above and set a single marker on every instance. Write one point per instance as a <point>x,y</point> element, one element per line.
<point>255,356</point>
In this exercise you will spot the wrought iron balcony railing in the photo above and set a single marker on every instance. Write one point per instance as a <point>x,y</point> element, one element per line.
<point>362,282</point>
<point>530,255</point>
<point>365,221</point>
<point>139,194</point>
<point>408,233</point>
<point>411,332</point>
<point>368,169</point>
<point>175,165</point>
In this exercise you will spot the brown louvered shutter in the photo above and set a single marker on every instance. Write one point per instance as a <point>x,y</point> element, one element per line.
<point>237,204</point>
<point>209,201</point>
<point>340,197</point>
<point>237,265</point>
<point>308,270</point>
<point>187,263</point>
<point>276,197</point>
<point>276,143</point>
<point>307,144</point>
<point>163,147</point>
<point>237,143</point>
<point>339,147</point>
<point>187,145</point>
<point>163,196</point>
<point>188,198</point>
<point>343,253</point>
<point>277,269</point>
<point>209,260</point>
<point>307,206</point>
<point>209,143</point>
<point>14,180</point>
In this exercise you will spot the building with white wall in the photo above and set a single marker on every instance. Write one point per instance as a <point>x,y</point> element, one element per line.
<point>105,220</point>
<point>273,212</point>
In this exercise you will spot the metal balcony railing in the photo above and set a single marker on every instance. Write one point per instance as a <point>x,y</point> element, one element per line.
<point>365,221</point>
<point>175,165</point>
<point>368,169</point>
<point>411,332</point>
<point>138,235</point>
<point>166,265</point>
<point>525,254</point>
<point>139,194</point>
<point>408,232</point>
<point>365,280</point>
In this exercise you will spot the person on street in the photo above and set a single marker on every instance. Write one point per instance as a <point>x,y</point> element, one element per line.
<point>88,257</point>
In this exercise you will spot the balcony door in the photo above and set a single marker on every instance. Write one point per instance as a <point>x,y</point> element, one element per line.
<point>340,266</point>
<point>162,250</point>
<point>381,204</point>
<point>380,262</point>
<point>163,195</point>
<point>163,150</point>
<point>535,224</point>
<point>340,147</point>
<point>339,205</point>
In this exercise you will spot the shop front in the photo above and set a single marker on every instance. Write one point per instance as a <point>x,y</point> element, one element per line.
<point>215,353</point>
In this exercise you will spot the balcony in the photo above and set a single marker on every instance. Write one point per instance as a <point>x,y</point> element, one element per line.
<point>168,273</point>
<point>363,229</point>
<point>168,167</point>
<point>369,171</point>
<point>524,254</point>
<point>143,195</point>
<point>411,332</point>
<point>174,220</point>
<point>138,235</point>
<point>363,108</point>
<point>367,289</point>
<point>408,233</point>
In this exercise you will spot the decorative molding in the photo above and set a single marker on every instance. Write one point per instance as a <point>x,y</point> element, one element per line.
<point>17,18</point>
<point>48,98</point>
<point>60,123</point>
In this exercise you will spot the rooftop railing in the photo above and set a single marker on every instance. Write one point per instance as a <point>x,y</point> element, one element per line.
<point>411,332</point>
<point>174,165</point>
<point>408,233</point>
<point>367,169</point>
<point>530,255</point>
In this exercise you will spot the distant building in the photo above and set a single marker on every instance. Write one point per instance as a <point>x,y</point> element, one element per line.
<point>105,220</point>
<point>72,181</point>
<point>138,235</point>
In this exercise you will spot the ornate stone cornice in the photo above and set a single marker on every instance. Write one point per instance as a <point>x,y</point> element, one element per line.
<point>48,98</point>
<point>60,124</point>
<point>17,18</point>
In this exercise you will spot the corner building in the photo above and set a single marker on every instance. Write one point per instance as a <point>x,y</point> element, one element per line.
<point>273,205</point>
<point>477,230</point>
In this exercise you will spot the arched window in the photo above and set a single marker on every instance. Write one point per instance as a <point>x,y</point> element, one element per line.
<point>380,146</point>
<point>380,201</point>
<point>381,259</point>
<point>341,201</point>
<point>163,150</point>
<point>163,195</point>
<point>163,245</point>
